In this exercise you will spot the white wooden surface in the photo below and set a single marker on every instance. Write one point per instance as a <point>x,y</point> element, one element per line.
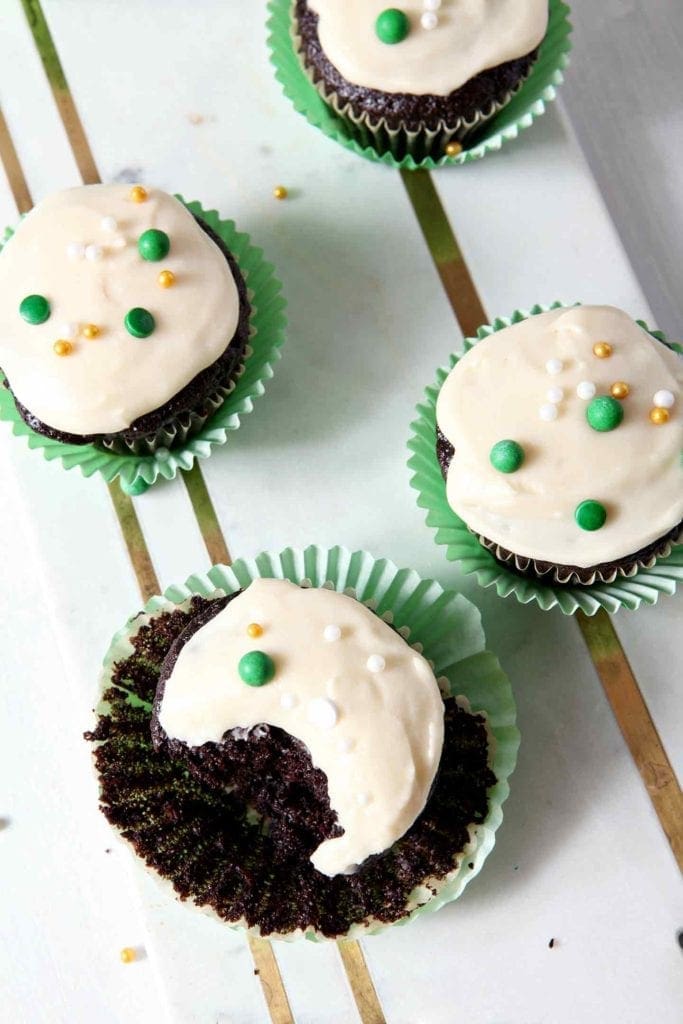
<point>185,99</point>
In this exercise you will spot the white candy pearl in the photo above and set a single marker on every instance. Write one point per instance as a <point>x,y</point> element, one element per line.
<point>288,701</point>
<point>68,331</point>
<point>429,20</point>
<point>548,413</point>
<point>118,243</point>
<point>93,252</point>
<point>554,366</point>
<point>376,663</point>
<point>75,251</point>
<point>323,713</point>
<point>586,390</point>
<point>555,395</point>
<point>363,799</point>
<point>431,5</point>
<point>664,399</point>
<point>332,633</point>
<point>345,746</point>
<point>109,223</point>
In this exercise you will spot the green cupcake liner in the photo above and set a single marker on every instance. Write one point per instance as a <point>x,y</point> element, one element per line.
<point>444,625</point>
<point>267,333</point>
<point>529,103</point>
<point>463,546</point>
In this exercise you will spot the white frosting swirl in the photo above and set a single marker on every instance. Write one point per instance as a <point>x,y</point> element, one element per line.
<point>531,383</point>
<point>366,705</point>
<point>469,37</point>
<point>78,249</point>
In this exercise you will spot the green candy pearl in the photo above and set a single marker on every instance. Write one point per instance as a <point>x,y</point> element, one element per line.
<point>256,668</point>
<point>506,456</point>
<point>604,413</point>
<point>34,309</point>
<point>392,26</point>
<point>139,322</point>
<point>154,245</point>
<point>590,515</point>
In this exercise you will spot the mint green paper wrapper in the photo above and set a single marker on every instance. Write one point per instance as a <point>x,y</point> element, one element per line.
<point>527,104</point>
<point>267,333</point>
<point>442,624</point>
<point>643,587</point>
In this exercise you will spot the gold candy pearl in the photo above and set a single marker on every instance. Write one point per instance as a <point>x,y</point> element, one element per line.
<point>254,630</point>
<point>138,194</point>
<point>62,348</point>
<point>280,192</point>
<point>91,331</point>
<point>620,389</point>
<point>453,149</point>
<point>128,955</point>
<point>166,279</point>
<point>603,350</point>
<point>659,416</point>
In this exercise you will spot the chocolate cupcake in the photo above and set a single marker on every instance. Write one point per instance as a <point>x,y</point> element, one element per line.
<point>414,78</point>
<point>284,759</point>
<point>124,320</point>
<point>560,441</point>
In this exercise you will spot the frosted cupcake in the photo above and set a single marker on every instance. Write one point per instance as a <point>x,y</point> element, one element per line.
<point>332,785</point>
<point>123,319</point>
<point>421,75</point>
<point>560,441</point>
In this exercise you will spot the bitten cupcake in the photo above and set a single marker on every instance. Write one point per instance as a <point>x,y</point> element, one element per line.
<point>419,76</point>
<point>560,441</point>
<point>288,761</point>
<point>123,319</point>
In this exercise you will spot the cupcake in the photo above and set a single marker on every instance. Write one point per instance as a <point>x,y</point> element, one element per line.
<point>283,758</point>
<point>414,78</point>
<point>560,438</point>
<point>123,319</point>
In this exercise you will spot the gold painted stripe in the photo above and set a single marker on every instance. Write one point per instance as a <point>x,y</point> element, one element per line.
<point>207,519</point>
<point>635,722</point>
<point>607,654</point>
<point>362,987</point>
<point>13,169</point>
<point>60,91</point>
<point>262,953</point>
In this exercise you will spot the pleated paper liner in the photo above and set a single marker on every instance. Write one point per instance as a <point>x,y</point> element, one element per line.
<point>443,624</point>
<point>642,587</point>
<point>137,472</point>
<point>377,142</point>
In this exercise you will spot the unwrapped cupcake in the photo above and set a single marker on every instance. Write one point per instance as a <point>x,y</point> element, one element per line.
<point>283,758</point>
<point>124,319</point>
<point>422,75</point>
<point>560,441</point>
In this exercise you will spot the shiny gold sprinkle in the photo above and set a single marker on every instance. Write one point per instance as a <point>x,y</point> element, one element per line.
<point>254,630</point>
<point>620,389</point>
<point>62,347</point>
<point>453,148</point>
<point>91,331</point>
<point>602,349</point>
<point>128,955</point>
<point>659,416</point>
<point>280,192</point>
<point>138,194</point>
<point>166,279</point>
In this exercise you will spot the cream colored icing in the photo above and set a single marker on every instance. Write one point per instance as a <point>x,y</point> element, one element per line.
<point>470,37</point>
<point>103,385</point>
<point>496,392</point>
<point>377,735</point>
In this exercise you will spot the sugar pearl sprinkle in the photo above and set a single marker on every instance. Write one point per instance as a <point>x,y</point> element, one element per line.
<point>548,412</point>
<point>430,18</point>
<point>363,799</point>
<point>586,390</point>
<point>109,224</point>
<point>93,252</point>
<point>75,251</point>
<point>288,701</point>
<point>554,366</point>
<point>664,399</point>
<point>68,331</point>
<point>323,713</point>
<point>345,745</point>
<point>332,633</point>
<point>376,663</point>
<point>555,395</point>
